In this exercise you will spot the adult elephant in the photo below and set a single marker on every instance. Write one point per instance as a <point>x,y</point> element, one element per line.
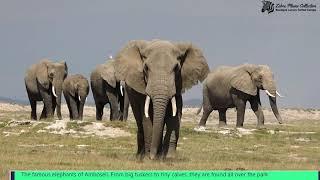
<point>107,89</point>
<point>75,91</point>
<point>44,83</point>
<point>229,87</point>
<point>156,73</point>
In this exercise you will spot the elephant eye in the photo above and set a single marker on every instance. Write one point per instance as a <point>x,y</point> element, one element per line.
<point>143,57</point>
<point>180,57</point>
<point>51,75</point>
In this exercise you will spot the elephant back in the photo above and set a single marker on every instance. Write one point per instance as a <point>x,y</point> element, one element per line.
<point>105,71</point>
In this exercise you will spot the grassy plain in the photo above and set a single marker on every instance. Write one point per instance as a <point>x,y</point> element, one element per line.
<point>92,145</point>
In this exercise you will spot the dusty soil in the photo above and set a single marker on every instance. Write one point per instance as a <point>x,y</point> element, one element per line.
<point>84,128</point>
<point>94,128</point>
<point>288,115</point>
<point>189,114</point>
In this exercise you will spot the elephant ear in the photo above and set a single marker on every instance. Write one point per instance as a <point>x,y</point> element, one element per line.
<point>194,65</point>
<point>242,81</point>
<point>65,67</point>
<point>129,65</point>
<point>108,73</point>
<point>42,73</point>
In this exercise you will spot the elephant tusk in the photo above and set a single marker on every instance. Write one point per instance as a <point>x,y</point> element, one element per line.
<point>79,98</point>
<point>279,94</point>
<point>269,94</point>
<point>85,99</point>
<point>121,90</point>
<point>174,106</point>
<point>54,92</point>
<point>146,106</point>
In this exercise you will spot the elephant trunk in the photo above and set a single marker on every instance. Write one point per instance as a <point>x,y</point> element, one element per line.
<point>81,106</point>
<point>57,92</point>
<point>159,110</point>
<point>273,104</point>
<point>82,98</point>
<point>272,93</point>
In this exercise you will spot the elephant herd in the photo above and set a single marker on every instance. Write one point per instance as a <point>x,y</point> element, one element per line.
<point>47,80</point>
<point>152,76</point>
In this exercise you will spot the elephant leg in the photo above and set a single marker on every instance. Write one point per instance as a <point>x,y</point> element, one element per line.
<point>171,137</point>
<point>114,106</point>
<point>125,106</point>
<point>69,107</point>
<point>147,124</point>
<point>257,109</point>
<point>147,133</point>
<point>74,108</point>
<point>207,108</point>
<point>114,112</point>
<point>205,114</point>
<point>172,130</point>
<point>99,110</point>
<point>54,105</point>
<point>47,101</point>
<point>78,109</point>
<point>111,112</point>
<point>222,117</point>
<point>241,109</point>
<point>33,105</point>
<point>43,113</point>
<point>137,109</point>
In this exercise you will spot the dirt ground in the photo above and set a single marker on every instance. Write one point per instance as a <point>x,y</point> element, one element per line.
<point>189,114</point>
<point>94,128</point>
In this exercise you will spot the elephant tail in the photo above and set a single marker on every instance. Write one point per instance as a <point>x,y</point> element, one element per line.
<point>199,110</point>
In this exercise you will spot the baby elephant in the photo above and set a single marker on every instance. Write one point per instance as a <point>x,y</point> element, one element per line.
<point>75,90</point>
<point>229,87</point>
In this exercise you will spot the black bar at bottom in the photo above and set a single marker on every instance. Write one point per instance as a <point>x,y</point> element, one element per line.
<point>12,175</point>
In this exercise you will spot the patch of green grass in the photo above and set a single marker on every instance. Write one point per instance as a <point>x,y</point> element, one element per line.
<point>77,125</point>
<point>116,124</point>
<point>3,124</point>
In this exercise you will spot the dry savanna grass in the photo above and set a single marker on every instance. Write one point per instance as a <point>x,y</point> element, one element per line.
<point>105,145</point>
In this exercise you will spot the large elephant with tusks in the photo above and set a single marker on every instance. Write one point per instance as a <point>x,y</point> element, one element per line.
<point>232,86</point>
<point>156,73</point>
<point>44,83</point>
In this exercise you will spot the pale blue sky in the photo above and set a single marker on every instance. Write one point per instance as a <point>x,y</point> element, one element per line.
<point>229,32</point>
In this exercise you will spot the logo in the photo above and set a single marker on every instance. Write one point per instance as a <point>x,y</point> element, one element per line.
<point>289,7</point>
<point>267,6</point>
